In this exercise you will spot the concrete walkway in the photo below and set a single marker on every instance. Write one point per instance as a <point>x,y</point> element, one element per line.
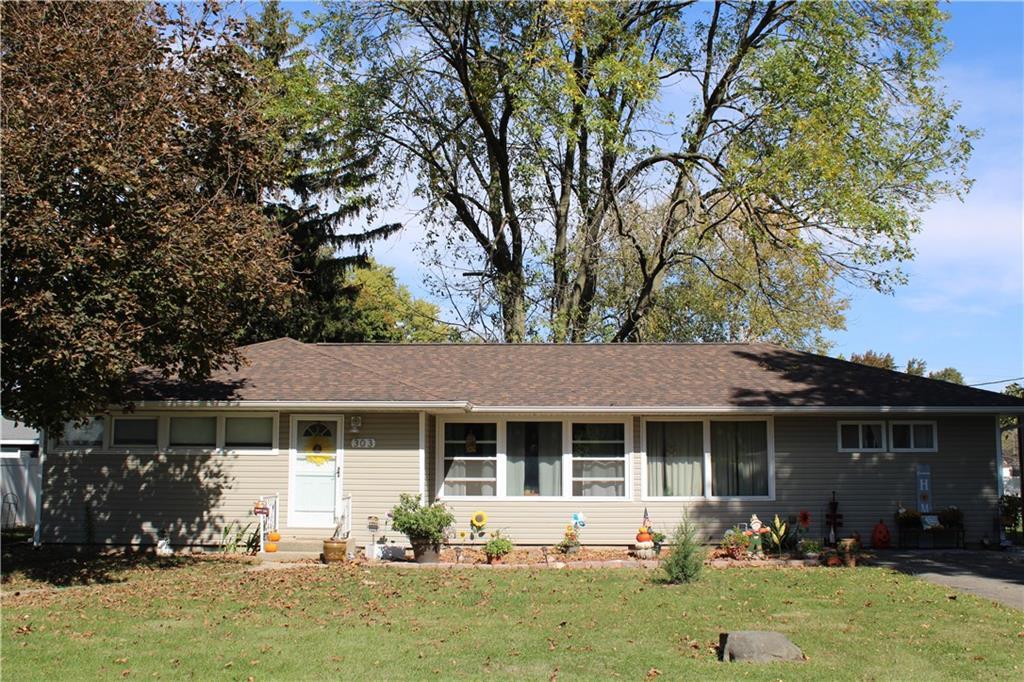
<point>998,576</point>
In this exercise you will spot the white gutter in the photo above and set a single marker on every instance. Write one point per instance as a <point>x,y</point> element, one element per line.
<point>466,406</point>
<point>444,405</point>
<point>734,409</point>
<point>37,532</point>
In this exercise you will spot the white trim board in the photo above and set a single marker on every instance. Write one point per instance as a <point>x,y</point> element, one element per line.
<point>456,406</point>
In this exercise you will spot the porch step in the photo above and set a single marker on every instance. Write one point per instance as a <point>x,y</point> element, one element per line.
<point>288,544</point>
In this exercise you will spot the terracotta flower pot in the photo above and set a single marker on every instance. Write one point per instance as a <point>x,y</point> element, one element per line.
<point>493,560</point>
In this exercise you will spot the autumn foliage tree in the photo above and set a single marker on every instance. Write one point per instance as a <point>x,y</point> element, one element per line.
<point>134,162</point>
<point>814,131</point>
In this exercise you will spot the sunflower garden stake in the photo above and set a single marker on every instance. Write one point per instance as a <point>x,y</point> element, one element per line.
<point>477,523</point>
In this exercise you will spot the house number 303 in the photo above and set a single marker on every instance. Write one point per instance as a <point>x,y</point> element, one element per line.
<point>363,443</point>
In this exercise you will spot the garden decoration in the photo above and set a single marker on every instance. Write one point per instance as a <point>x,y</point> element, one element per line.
<point>644,548</point>
<point>880,535</point>
<point>755,532</point>
<point>777,533</point>
<point>579,520</point>
<point>833,520</point>
<point>804,520</point>
<point>477,523</point>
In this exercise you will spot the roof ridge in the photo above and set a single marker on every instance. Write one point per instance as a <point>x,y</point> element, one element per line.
<point>542,344</point>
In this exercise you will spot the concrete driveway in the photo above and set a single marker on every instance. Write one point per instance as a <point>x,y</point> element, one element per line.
<point>992,575</point>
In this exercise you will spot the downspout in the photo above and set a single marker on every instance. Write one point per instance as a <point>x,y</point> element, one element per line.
<point>37,533</point>
<point>1020,452</point>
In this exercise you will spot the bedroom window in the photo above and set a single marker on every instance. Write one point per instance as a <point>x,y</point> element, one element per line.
<point>598,460</point>
<point>134,432</point>
<point>739,458</point>
<point>471,459</point>
<point>249,433</point>
<point>533,462</point>
<point>197,432</point>
<point>913,436</point>
<point>87,435</point>
<point>675,459</point>
<point>861,436</point>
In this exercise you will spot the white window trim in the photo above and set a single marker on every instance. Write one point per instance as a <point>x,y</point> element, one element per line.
<point>5,453</point>
<point>858,423</point>
<point>58,447</point>
<point>498,459</point>
<point>275,434</point>
<point>501,420</point>
<point>195,449</point>
<point>912,423</point>
<point>707,496</point>
<point>163,431</point>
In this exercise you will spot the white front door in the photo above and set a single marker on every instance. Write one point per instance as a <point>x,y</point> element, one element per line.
<point>316,472</point>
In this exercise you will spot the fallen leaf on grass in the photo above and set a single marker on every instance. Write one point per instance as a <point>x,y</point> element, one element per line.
<point>652,673</point>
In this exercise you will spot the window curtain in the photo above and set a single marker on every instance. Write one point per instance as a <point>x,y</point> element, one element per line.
<point>675,459</point>
<point>534,458</point>
<point>739,458</point>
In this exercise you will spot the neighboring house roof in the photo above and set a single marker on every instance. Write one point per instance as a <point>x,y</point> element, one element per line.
<point>744,375</point>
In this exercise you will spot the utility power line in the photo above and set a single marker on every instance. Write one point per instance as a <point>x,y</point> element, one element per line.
<point>1000,381</point>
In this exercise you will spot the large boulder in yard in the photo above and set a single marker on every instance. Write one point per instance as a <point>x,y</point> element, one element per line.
<point>757,647</point>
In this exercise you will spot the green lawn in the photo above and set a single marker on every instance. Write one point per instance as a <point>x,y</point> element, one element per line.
<point>213,619</point>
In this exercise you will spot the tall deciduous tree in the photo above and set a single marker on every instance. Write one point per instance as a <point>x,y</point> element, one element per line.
<point>325,128</point>
<point>814,130</point>
<point>134,162</point>
<point>873,359</point>
<point>951,374</point>
<point>376,308</point>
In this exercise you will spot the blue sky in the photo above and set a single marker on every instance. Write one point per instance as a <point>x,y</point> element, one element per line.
<point>964,303</point>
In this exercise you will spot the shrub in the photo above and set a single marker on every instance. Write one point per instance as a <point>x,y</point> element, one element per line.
<point>421,523</point>
<point>685,560</point>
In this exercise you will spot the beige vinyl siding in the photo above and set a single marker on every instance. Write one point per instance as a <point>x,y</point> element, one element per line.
<point>376,477</point>
<point>133,498</point>
<point>808,467</point>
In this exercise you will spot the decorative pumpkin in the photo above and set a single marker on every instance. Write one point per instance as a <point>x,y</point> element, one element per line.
<point>880,535</point>
<point>644,536</point>
<point>274,536</point>
<point>270,547</point>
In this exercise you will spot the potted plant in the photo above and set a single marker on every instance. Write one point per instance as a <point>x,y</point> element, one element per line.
<point>849,549</point>
<point>497,547</point>
<point>336,546</point>
<point>424,525</point>
<point>659,540</point>
<point>735,543</point>
<point>811,549</point>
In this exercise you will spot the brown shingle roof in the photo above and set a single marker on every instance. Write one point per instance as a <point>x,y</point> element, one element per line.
<point>571,375</point>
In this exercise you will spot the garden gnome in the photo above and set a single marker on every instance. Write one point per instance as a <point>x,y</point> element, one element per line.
<point>755,538</point>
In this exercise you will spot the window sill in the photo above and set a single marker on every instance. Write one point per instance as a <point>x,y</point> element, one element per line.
<point>524,498</point>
